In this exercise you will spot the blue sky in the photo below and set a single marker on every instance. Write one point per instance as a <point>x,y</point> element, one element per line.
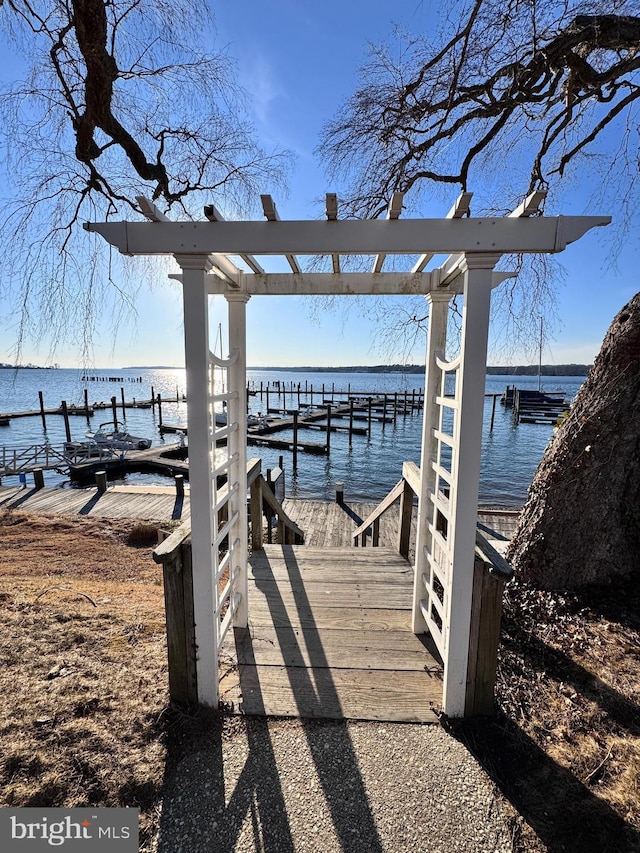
<point>299,61</point>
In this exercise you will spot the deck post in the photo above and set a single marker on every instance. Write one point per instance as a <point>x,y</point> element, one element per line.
<point>404,528</point>
<point>196,337</point>
<point>478,274</point>
<point>237,413</point>
<point>438,302</point>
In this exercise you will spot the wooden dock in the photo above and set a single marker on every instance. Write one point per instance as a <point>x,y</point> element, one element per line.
<point>329,636</point>
<point>329,631</point>
<point>328,524</point>
<point>147,503</point>
<point>168,459</point>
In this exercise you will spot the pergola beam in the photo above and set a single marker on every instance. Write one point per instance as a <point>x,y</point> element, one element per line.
<point>459,209</point>
<point>271,215</point>
<point>495,235</point>
<point>341,284</point>
<point>224,268</point>
<point>393,212</point>
<point>331,211</point>
<point>530,205</point>
<point>213,215</point>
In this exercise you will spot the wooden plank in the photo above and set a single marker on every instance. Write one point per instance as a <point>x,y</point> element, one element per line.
<point>323,555</point>
<point>333,574</point>
<point>111,504</point>
<point>373,596</point>
<point>337,649</point>
<point>299,616</point>
<point>332,694</point>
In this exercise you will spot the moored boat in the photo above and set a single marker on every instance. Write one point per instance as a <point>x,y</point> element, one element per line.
<point>117,437</point>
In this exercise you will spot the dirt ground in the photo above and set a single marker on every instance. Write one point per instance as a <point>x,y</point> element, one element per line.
<point>85,717</point>
<point>83,671</point>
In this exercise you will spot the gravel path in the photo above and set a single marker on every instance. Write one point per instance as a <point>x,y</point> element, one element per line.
<point>296,785</point>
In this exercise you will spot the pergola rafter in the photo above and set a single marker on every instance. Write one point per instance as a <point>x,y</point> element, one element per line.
<point>448,500</point>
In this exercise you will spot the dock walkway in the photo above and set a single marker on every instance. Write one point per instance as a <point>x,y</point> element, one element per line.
<point>330,636</point>
<point>329,631</point>
<point>147,503</point>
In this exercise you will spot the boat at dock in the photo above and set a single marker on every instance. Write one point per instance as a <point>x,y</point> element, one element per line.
<point>117,437</point>
<point>72,409</point>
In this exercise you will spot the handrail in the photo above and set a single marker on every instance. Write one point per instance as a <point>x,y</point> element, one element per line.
<point>404,490</point>
<point>380,510</point>
<point>290,533</point>
<point>494,563</point>
<point>411,473</point>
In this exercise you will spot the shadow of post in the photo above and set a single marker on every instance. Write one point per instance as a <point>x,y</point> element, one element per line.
<point>342,783</point>
<point>199,813</point>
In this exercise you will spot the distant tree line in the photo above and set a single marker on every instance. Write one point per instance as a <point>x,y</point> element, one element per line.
<point>519,370</point>
<point>545,370</point>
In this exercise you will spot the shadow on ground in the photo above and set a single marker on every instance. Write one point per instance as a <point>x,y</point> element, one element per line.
<point>564,813</point>
<point>209,796</point>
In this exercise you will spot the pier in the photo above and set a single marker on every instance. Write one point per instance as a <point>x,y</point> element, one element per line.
<point>535,407</point>
<point>168,459</point>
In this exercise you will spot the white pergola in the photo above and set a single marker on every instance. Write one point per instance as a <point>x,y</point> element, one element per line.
<point>452,427</point>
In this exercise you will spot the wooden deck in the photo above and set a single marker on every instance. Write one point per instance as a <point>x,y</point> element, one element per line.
<point>329,636</point>
<point>328,524</point>
<point>148,502</point>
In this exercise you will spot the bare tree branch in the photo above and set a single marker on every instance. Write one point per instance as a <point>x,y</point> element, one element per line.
<point>121,98</point>
<point>554,75</point>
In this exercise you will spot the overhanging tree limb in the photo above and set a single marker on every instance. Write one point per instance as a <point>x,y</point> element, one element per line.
<point>544,73</point>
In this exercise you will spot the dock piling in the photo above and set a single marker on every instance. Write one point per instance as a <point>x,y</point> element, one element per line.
<point>295,441</point>
<point>179,481</point>
<point>101,481</point>
<point>65,415</point>
<point>160,409</point>
<point>339,493</point>
<point>38,478</point>
<point>328,428</point>
<point>42,414</point>
<point>124,414</point>
<point>115,412</point>
<point>350,421</point>
<point>493,411</point>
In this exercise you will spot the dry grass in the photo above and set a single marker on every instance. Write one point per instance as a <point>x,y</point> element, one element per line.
<point>83,666</point>
<point>565,748</point>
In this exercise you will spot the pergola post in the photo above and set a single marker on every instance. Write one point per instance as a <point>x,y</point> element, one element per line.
<point>438,302</point>
<point>237,413</point>
<point>477,270</point>
<point>196,338</point>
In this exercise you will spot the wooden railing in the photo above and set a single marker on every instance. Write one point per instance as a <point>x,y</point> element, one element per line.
<point>490,574</point>
<point>404,490</point>
<point>263,502</point>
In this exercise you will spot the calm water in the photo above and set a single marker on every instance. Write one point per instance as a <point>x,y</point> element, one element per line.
<point>369,469</point>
